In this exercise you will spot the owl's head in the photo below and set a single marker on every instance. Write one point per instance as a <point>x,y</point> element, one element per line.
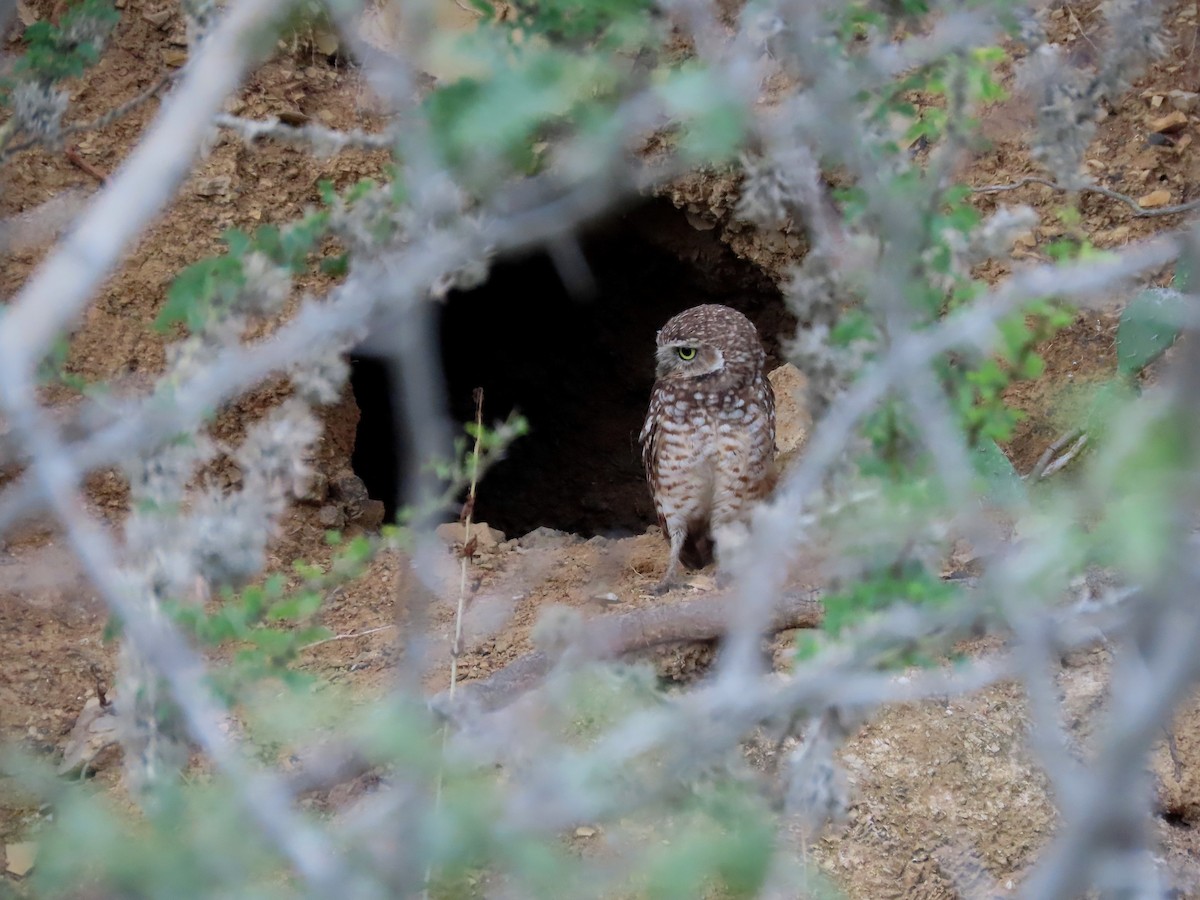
<point>708,341</point>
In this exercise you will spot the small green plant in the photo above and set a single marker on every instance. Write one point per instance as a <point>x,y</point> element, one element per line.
<point>272,622</point>
<point>212,288</point>
<point>53,53</point>
<point>65,50</point>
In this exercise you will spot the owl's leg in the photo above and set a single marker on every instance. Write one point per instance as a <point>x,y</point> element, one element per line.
<point>730,533</point>
<point>677,533</point>
<point>729,538</point>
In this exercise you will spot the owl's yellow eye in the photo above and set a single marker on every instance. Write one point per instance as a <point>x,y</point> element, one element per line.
<point>687,354</point>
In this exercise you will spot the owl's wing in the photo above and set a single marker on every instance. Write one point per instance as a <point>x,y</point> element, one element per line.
<point>770,468</point>
<point>649,440</point>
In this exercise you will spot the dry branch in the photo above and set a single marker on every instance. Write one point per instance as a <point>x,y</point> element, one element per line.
<point>703,619</point>
<point>607,637</point>
<point>1139,211</point>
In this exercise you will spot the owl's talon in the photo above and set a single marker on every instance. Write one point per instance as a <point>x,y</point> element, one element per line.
<point>664,586</point>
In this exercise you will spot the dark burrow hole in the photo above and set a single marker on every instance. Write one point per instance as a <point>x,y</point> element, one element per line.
<point>1176,817</point>
<point>579,368</point>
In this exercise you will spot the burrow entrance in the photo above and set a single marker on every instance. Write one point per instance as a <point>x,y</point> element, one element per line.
<point>579,368</point>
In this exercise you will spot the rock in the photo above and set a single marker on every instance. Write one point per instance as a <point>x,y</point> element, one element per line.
<point>585,831</point>
<point>158,18</point>
<point>1155,198</point>
<point>1184,101</point>
<point>220,186</point>
<point>316,489</point>
<point>94,730</point>
<point>293,117</point>
<point>1170,123</point>
<point>326,41</point>
<point>451,532</point>
<point>20,857</point>
<point>543,538</point>
<point>331,516</point>
<point>349,490</point>
<point>174,58</point>
<point>484,536</point>
<point>372,515</point>
<point>792,419</point>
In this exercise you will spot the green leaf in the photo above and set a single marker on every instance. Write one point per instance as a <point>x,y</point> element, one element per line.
<point>237,241</point>
<point>336,265</point>
<point>713,122</point>
<point>55,52</point>
<point>312,634</point>
<point>272,642</point>
<point>1003,484</point>
<point>297,607</point>
<point>196,291</point>
<point>1147,328</point>
<point>306,570</point>
<point>1140,476</point>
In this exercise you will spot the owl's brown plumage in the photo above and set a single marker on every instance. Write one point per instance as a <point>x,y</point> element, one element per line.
<point>709,439</point>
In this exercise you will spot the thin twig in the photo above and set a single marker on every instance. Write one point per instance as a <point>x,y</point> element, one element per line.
<point>468,543</point>
<point>464,556</point>
<point>72,154</point>
<point>97,123</point>
<point>353,635</point>
<point>329,140</point>
<point>1043,468</point>
<point>1139,211</point>
<point>1059,463</point>
<point>1079,25</point>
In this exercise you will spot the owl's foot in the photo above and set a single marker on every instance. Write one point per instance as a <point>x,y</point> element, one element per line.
<point>665,585</point>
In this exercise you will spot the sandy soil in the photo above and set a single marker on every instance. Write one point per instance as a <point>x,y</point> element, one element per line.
<point>942,791</point>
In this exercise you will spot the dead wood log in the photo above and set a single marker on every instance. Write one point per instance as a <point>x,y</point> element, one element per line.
<point>604,637</point>
<point>608,637</point>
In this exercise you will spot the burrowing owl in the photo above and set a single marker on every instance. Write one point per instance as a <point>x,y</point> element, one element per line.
<point>709,439</point>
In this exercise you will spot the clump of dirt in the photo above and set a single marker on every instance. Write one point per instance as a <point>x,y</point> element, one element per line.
<point>709,199</point>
